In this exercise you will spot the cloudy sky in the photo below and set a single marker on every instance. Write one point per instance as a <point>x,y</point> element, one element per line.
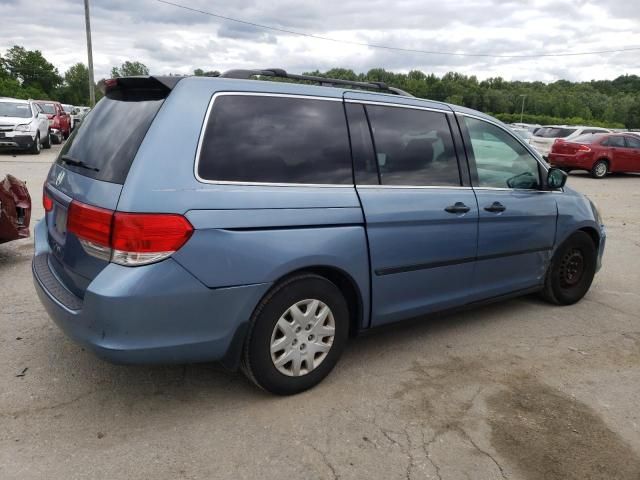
<point>170,39</point>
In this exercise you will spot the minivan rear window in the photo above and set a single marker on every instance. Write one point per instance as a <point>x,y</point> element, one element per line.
<point>274,139</point>
<point>108,138</point>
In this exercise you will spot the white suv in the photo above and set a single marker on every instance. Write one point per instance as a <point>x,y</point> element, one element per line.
<point>543,139</point>
<point>23,126</point>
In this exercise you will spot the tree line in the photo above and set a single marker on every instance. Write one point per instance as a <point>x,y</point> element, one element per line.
<point>613,103</point>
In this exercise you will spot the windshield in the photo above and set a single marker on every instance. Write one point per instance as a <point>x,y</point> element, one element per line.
<point>20,110</point>
<point>67,108</point>
<point>554,132</point>
<point>48,108</point>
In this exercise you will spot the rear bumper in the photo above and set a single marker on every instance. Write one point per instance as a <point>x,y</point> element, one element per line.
<point>158,313</point>
<point>570,161</point>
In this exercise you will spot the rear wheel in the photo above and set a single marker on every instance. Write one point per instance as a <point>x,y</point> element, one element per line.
<point>600,169</point>
<point>37,146</point>
<point>571,271</point>
<point>297,335</point>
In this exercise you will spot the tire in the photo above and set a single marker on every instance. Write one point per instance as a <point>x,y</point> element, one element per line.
<point>571,270</point>
<point>299,344</point>
<point>37,146</point>
<point>55,139</point>
<point>47,142</point>
<point>600,169</point>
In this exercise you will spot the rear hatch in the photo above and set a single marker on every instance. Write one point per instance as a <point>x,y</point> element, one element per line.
<point>88,175</point>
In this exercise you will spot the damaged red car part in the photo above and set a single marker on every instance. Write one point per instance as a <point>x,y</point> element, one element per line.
<point>15,209</point>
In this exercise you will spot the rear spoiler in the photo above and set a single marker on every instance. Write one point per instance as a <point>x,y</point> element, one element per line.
<point>158,84</point>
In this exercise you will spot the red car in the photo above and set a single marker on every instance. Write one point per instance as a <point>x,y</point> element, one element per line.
<point>59,120</point>
<point>15,209</point>
<point>598,153</point>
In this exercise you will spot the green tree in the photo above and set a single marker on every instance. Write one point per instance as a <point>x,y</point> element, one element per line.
<point>76,85</point>
<point>129,69</point>
<point>633,115</point>
<point>32,70</point>
<point>198,72</point>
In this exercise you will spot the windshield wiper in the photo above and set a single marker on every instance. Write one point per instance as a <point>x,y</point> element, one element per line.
<point>77,163</point>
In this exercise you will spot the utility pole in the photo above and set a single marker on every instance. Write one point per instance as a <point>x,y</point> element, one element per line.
<point>521,111</point>
<point>87,22</point>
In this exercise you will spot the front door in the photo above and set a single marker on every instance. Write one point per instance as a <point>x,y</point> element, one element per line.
<point>517,219</point>
<point>421,220</point>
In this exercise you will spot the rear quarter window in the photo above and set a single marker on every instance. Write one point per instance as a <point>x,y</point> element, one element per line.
<point>274,139</point>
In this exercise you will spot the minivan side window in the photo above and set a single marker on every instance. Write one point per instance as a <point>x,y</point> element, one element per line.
<point>501,161</point>
<point>413,147</point>
<point>274,139</point>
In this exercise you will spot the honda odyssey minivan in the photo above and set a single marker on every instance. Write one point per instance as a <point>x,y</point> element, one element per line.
<point>262,223</point>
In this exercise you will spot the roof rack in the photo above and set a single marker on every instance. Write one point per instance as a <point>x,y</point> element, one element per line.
<point>278,72</point>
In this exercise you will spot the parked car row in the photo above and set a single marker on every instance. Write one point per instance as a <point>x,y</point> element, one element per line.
<point>35,124</point>
<point>545,137</point>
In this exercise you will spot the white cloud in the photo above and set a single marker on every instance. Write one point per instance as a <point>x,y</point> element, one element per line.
<point>174,40</point>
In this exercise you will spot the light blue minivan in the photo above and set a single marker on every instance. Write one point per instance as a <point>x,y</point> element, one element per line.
<point>262,223</point>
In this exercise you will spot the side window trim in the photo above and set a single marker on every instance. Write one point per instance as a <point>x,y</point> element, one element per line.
<point>542,168</point>
<point>458,145</point>
<point>205,122</point>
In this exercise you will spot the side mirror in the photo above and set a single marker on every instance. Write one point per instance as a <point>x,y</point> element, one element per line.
<point>556,178</point>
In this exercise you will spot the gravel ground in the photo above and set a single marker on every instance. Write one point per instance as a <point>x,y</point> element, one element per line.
<point>518,390</point>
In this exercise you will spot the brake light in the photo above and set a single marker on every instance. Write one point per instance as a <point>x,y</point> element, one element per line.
<point>584,148</point>
<point>47,202</point>
<point>148,237</point>
<point>127,238</point>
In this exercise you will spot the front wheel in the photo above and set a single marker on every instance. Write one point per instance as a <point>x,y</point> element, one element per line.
<point>47,142</point>
<point>571,270</point>
<point>297,335</point>
<point>37,146</point>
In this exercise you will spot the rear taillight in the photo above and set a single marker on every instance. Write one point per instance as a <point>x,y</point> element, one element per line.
<point>147,237</point>
<point>127,238</point>
<point>47,202</point>
<point>90,223</point>
<point>584,148</point>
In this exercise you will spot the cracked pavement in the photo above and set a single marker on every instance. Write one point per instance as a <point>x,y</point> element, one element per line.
<point>517,390</point>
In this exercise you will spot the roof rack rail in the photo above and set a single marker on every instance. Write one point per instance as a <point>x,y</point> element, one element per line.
<point>280,73</point>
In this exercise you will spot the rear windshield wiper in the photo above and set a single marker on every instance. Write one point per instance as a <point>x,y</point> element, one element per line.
<point>77,163</point>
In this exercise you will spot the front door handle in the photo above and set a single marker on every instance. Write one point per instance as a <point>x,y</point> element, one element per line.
<point>457,207</point>
<point>495,207</point>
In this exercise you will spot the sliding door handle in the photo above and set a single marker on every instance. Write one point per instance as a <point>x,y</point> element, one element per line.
<point>457,207</point>
<point>495,207</point>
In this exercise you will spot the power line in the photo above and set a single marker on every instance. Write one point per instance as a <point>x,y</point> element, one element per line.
<point>398,49</point>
